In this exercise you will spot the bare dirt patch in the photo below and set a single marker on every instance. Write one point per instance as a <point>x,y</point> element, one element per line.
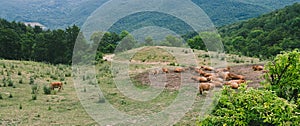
<point>254,77</point>
<point>173,80</point>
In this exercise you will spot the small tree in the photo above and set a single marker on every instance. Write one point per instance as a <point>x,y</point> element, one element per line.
<point>284,75</point>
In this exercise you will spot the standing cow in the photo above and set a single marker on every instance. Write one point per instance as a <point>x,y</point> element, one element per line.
<point>58,85</point>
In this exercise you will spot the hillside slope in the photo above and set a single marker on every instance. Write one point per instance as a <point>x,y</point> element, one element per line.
<point>62,13</point>
<point>266,35</point>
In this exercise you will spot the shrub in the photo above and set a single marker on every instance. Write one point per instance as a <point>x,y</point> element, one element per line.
<point>34,89</point>
<point>20,106</point>
<point>47,90</point>
<point>31,80</point>
<point>10,95</point>
<point>54,77</point>
<point>21,81</point>
<point>174,64</point>
<point>68,74</point>
<point>284,75</point>
<point>251,107</point>
<point>1,96</point>
<point>10,83</point>
<point>34,97</point>
<point>19,73</point>
<point>62,78</point>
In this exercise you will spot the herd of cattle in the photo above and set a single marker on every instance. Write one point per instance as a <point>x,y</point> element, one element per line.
<point>209,77</point>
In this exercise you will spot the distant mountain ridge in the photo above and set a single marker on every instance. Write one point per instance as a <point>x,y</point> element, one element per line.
<point>62,13</point>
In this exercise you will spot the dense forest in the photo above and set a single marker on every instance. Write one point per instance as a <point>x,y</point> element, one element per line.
<point>265,36</point>
<point>21,42</point>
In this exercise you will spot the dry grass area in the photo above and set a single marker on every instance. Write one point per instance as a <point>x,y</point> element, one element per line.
<point>58,108</point>
<point>64,108</point>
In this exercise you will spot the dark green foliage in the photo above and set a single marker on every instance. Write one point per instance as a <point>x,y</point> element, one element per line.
<point>251,107</point>
<point>31,80</point>
<point>10,83</point>
<point>1,96</point>
<point>20,106</point>
<point>47,90</point>
<point>10,95</point>
<point>54,77</point>
<point>34,89</point>
<point>266,36</point>
<point>284,75</point>
<point>34,97</point>
<point>21,81</point>
<point>20,42</point>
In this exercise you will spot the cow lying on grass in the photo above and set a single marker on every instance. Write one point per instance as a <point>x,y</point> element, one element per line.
<point>165,70</point>
<point>207,68</point>
<point>200,79</point>
<point>178,70</point>
<point>58,85</point>
<point>257,68</point>
<point>236,77</point>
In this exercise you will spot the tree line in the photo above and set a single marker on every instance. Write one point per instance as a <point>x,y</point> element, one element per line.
<point>21,42</point>
<point>263,37</point>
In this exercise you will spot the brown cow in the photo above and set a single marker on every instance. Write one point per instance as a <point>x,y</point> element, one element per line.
<point>178,70</point>
<point>234,85</point>
<point>235,76</point>
<point>200,79</point>
<point>208,74</point>
<point>217,84</point>
<point>235,81</point>
<point>58,85</point>
<point>225,75</point>
<point>204,87</point>
<point>165,70</point>
<point>257,68</point>
<point>207,68</point>
<point>200,72</point>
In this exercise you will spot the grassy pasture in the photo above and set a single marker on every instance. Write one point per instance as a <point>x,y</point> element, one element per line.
<point>64,108</point>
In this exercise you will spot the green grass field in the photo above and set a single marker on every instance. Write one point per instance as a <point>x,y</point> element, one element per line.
<point>18,79</point>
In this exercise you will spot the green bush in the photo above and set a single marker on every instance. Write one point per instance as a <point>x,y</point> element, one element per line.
<point>10,95</point>
<point>31,80</point>
<point>21,81</point>
<point>1,96</point>
<point>34,89</point>
<point>47,90</point>
<point>284,75</point>
<point>54,77</point>
<point>34,97</point>
<point>10,83</point>
<point>251,107</point>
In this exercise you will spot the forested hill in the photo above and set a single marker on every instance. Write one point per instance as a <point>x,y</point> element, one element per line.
<point>266,35</point>
<point>21,42</point>
<point>62,13</point>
